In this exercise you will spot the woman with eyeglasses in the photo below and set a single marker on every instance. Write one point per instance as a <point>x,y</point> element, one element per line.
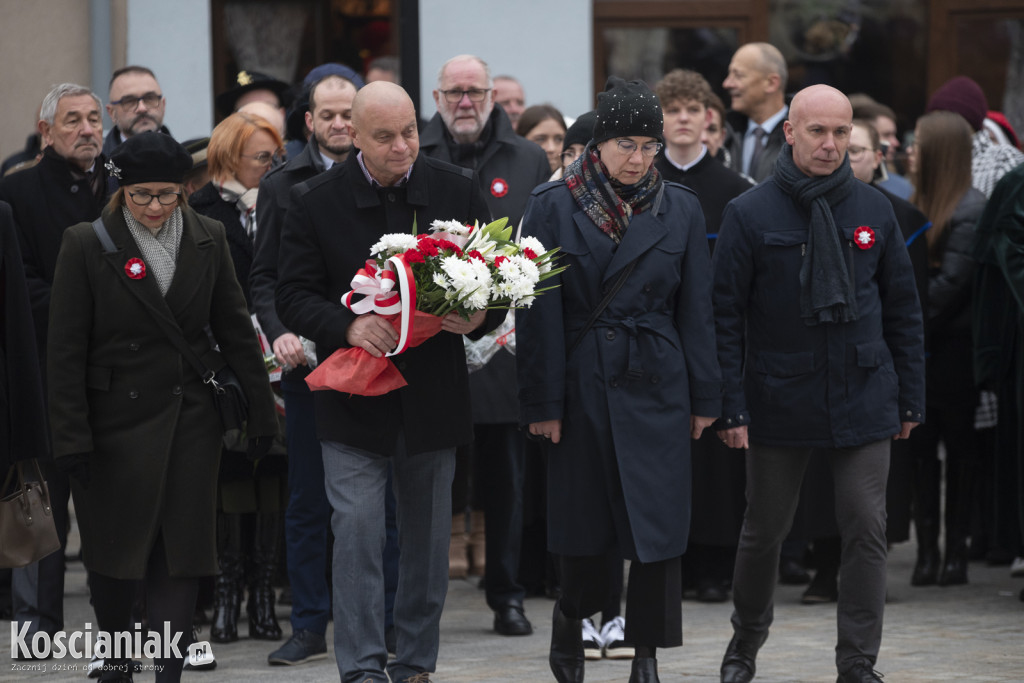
<point>622,372</point>
<point>133,423</point>
<point>243,147</point>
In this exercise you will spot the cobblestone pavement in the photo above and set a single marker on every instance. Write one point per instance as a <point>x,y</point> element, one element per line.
<point>966,633</point>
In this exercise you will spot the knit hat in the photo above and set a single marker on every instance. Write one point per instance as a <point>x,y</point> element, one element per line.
<point>581,130</point>
<point>963,96</point>
<point>149,157</point>
<point>628,109</point>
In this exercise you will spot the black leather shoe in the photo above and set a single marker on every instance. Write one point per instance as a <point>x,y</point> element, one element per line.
<point>954,569</point>
<point>926,569</point>
<point>738,664</point>
<point>860,673</point>
<point>566,658</point>
<point>792,573</point>
<point>712,592</point>
<point>823,589</point>
<point>510,621</point>
<point>304,646</point>
<point>645,670</point>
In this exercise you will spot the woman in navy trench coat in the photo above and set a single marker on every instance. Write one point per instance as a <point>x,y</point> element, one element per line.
<point>618,408</point>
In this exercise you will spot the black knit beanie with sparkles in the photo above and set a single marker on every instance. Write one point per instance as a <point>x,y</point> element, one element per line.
<point>628,109</point>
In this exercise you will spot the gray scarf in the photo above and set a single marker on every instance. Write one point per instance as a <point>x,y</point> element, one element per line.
<point>827,287</point>
<point>159,251</point>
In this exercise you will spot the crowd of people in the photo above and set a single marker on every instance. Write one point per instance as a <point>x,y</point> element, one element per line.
<point>780,342</point>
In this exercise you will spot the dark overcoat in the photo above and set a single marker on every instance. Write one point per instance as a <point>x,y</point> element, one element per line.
<point>823,386</point>
<point>620,477</point>
<point>23,430</point>
<point>765,165</point>
<point>206,201</point>
<point>332,221</point>
<point>274,195</point>
<point>122,393</point>
<point>47,199</point>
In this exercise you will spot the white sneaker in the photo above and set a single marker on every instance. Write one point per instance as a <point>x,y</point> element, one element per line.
<point>1017,568</point>
<point>591,640</point>
<point>613,635</point>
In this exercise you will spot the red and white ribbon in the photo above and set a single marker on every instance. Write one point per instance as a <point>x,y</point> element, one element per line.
<point>377,287</point>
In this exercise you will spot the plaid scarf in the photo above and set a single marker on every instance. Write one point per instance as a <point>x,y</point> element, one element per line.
<point>159,251</point>
<point>606,201</point>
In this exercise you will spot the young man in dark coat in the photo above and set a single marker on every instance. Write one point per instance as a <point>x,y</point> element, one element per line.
<point>814,297</point>
<point>469,131</point>
<point>718,501</point>
<point>67,186</point>
<point>309,513</point>
<point>332,222</point>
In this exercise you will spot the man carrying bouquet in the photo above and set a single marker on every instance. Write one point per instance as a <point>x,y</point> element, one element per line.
<point>334,220</point>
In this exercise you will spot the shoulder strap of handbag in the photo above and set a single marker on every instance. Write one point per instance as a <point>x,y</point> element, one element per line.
<point>623,276</point>
<point>173,333</point>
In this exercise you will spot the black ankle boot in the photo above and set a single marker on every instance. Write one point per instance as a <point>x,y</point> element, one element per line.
<point>645,670</point>
<point>954,569</point>
<point>227,592</point>
<point>260,608</point>
<point>566,656</point>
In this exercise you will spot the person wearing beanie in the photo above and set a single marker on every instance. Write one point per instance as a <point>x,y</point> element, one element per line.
<point>577,137</point>
<point>624,355</point>
<point>989,161</point>
<point>133,422</point>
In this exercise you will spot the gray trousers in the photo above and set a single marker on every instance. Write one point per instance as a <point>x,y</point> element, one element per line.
<point>774,475</point>
<point>355,481</point>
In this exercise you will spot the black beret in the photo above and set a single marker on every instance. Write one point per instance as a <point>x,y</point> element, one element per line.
<point>628,109</point>
<point>149,157</point>
<point>247,81</point>
<point>581,130</point>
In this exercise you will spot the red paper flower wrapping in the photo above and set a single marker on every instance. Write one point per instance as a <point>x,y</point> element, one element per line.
<point>864,237</point>
<point>135,268</point>
<point>355,371</point>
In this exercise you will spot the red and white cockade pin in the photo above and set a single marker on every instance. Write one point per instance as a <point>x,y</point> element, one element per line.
<point>499,188</point>
<point>864,237</point>
<point>135,268</point>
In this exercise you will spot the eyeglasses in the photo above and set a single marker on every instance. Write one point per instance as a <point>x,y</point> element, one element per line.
<point>629,147</point>
<point>856,151</point>
<point>474,94</point>
<point>130,102</point>
<point>145,198</point>
<point>569,156</point>
<point>265,158</point>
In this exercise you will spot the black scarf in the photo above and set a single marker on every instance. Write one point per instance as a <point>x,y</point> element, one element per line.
<point>608,203</point>
<point>827,287</point>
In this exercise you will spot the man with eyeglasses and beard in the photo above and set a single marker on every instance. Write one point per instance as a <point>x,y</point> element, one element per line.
<point>329,120</point>
<point>136,105</point>
<point>469,131</point>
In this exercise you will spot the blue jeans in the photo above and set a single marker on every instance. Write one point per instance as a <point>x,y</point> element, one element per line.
<point>774,475</point>
<point>356,481</point>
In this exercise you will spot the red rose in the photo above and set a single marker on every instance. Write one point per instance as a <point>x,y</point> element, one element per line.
<point>135,268</point>
<point>530,253</point>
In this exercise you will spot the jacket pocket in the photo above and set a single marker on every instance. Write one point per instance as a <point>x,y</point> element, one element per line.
<point>98,378</point>
<point>873,354</point>
<point>785,238</point>
<point>785,378</point>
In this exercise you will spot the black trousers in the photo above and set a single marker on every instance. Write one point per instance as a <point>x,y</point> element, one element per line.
<point>654,614</point>
<point>168,600</point>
